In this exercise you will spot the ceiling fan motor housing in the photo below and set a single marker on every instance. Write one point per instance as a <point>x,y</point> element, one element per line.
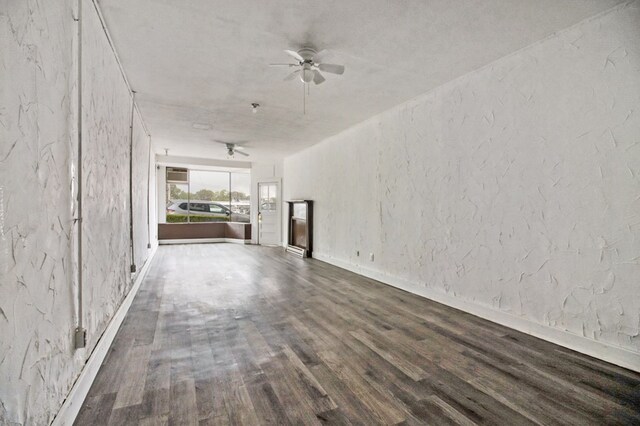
<point>307,53</point>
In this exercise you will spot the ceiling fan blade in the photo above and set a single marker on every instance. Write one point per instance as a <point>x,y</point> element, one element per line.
<point>317,58</point>
<point>240,152</point>
<point>332,68</point>
<point>317,77</point>
<point>284,65</point>
<point>292,75</point>
<point>295,55</point>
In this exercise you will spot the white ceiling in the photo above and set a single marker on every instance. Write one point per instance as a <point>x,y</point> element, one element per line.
<point>205,61</point>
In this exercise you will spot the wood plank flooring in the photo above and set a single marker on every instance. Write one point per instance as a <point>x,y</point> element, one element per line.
<point>231,334</point>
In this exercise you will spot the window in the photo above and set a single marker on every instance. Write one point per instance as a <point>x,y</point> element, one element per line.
<point>177,199</point>
<point>197,207</point>
<point>209,196</point>
<point>209,186</point>
<point>268,197</point>
<point>216,208</point>
<point>240,198</point>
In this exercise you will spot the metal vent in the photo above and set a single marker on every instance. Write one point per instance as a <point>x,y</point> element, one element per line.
<point>175,175</point>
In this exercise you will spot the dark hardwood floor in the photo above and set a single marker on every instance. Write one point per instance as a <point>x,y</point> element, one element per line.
<point>231,334</point>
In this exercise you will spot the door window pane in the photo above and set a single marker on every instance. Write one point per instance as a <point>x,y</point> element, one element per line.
<point>268,194</point>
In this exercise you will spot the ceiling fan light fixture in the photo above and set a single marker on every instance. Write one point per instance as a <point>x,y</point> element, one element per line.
<point>307,74</point>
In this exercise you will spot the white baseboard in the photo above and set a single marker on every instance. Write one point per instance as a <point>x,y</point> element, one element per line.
<point>71,406</point>
<point>204,240</point>
<point>606,352</point>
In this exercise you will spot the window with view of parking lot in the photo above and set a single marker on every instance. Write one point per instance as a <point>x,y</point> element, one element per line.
<point>209,196</point>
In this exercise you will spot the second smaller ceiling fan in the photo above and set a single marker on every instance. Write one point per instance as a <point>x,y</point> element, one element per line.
<point>233,148</point>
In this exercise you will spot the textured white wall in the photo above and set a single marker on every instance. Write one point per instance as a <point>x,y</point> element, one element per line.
<point>37,313</point>
<point>516,187</point>
<point>141,190</point>
<point>107,114</point>
<point>38,288</point>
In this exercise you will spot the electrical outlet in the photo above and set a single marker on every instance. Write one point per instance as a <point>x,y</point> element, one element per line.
<point>80,338</point>
<point>371,257</point>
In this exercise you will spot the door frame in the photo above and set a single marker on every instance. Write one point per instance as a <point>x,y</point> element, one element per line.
<point>279,204</point>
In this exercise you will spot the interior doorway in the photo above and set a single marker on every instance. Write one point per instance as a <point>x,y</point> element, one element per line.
<point>269,213</point>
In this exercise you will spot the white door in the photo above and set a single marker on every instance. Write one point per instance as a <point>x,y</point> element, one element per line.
<point>268,214</point>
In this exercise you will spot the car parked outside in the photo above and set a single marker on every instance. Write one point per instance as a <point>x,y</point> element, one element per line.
<point>207,210</point>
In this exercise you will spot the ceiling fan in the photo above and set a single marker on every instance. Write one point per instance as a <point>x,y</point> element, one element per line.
<point>233,148</point>
<point>309,63</point>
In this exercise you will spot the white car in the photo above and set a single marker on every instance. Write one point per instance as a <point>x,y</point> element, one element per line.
<point>216,211</point>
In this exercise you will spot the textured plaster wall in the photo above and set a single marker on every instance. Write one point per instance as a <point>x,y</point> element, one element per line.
<point>516,187</point>
<point>106,140</point>
<point>38,116</point>
<point>141,187</point>
<point>37,311</point>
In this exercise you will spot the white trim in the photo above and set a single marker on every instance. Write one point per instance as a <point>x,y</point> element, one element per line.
<point>71,406</point>
<point>204,240</point>
<point>604,351</point>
